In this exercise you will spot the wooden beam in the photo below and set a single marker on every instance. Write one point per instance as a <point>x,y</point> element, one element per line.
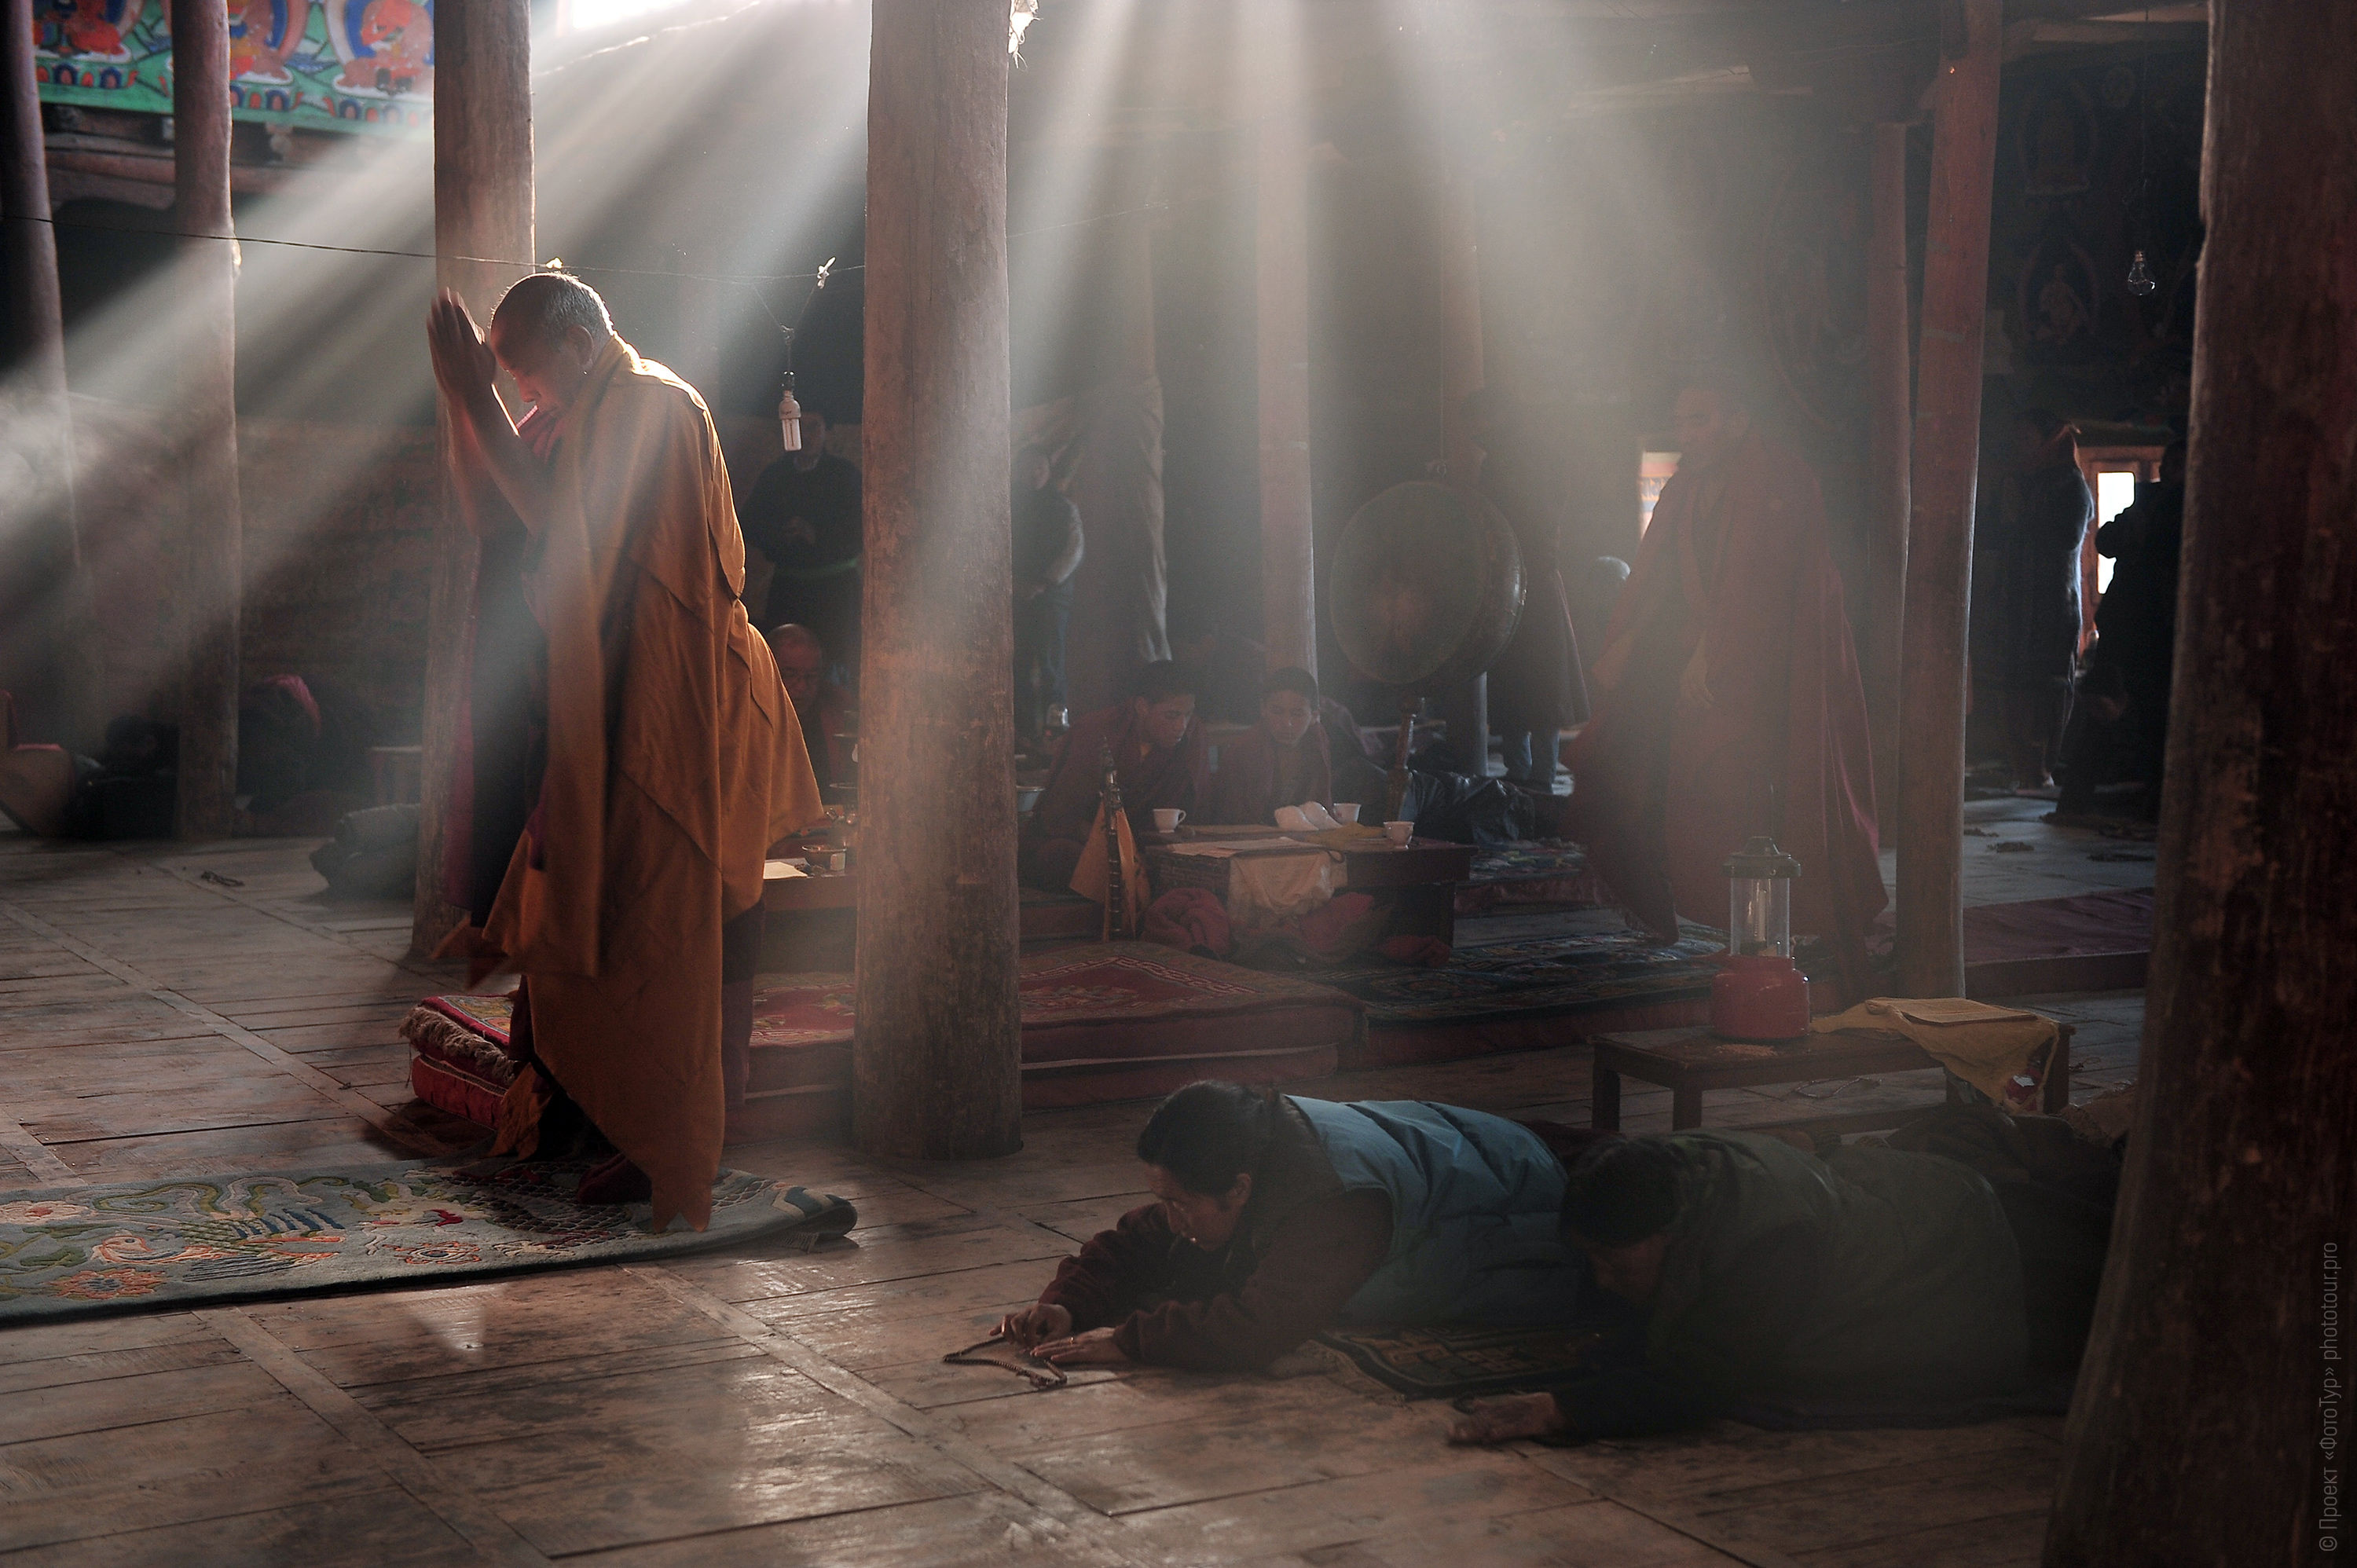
<point>1288,556</point>
<point>2219,1364</point>
<point>1940,533</point>
<point>1889,410</point>
<point>482,207</point>
<point>46,603</point>
<point>937,1049</point>
<point>206,587</point>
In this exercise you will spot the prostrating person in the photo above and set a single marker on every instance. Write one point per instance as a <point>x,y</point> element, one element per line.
<point>1283,760</point>
<point>672,762</point>
<point>820,705</point>
<point>1728,703</point>
<point>1277,1215</point>
<point>2025,624</point>
<point>1047,547</point>
<point>1766,1275</point>
<point>1158,756</point>
<point>803,514</point>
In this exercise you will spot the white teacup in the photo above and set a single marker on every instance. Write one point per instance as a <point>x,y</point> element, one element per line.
<point>1346,812</point>
<point>1399,833</point>
<point>1168,817</point>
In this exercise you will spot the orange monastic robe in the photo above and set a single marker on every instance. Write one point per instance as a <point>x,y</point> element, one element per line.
<point>674,761</point>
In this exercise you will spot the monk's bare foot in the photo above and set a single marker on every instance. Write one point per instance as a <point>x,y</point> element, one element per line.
<point>616,1181</point>
<point>1504,1419</point>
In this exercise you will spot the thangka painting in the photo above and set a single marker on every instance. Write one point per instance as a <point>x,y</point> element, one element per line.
<point>354,65</point>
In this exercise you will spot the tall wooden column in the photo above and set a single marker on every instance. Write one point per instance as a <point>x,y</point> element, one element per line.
<point>207,589</point>
<point>1467,709</point>
<point>1940,533</point>
<point>44,603</point>
<point>2221,1359</point>
<point>482,207</point>
<point>1288,556</point>
<point>937,1050</point>
<point>1890,408</point>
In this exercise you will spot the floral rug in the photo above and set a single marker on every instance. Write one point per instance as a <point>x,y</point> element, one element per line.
<point>74,1250</point>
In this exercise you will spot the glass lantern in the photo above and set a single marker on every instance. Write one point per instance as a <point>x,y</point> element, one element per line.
<point>1760,900</point>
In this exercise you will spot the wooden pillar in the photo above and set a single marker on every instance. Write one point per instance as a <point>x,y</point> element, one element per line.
<point>1288,556</point>
<point>1890,408</point>
<point>482,207</point>
<point>46,600</point>
<point>1940,533</point>
<point>937,1050</point>
<point>1467,709</point>
<point>2219,1365</point>
<point>206,587</point>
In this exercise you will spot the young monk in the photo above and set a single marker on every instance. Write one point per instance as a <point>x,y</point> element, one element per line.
<point>1763,1273</point>
<point>1282,761</point>
<point>1277,1215</point>
<point>1158,755</point>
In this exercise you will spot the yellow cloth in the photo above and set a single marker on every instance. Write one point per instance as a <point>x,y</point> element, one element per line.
<point>674,761</point>
<point>1092,879</point>
<point>1986,1046</point>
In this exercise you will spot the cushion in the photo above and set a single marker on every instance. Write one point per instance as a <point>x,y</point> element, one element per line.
<point>1102,1020</point>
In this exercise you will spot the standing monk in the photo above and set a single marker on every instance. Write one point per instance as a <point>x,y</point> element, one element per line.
<point>671,760</point>
<point>1729,699</point>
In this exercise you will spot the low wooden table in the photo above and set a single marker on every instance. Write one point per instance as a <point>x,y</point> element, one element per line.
<point>1418,880</point>
<point>1690,1063</point>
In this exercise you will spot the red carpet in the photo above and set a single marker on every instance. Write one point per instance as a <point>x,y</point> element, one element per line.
<point>2093,941</point>
<point>1107,1021</point>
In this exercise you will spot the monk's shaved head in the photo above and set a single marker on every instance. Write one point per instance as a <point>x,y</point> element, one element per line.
<point>547,304</point>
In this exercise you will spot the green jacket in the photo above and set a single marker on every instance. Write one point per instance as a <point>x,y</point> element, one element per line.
<point>1874,1272</point>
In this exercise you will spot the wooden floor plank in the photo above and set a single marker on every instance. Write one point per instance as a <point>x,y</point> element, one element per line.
<point>360,1527</point>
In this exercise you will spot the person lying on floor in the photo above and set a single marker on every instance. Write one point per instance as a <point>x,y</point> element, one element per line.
<point>1765,1274</point>
<point>1277,1215</point>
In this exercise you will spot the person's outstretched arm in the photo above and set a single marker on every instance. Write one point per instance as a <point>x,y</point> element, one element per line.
<point>482,433</point>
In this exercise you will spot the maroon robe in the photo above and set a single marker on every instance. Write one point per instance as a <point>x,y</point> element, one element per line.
<point>1151,779</point>
<point>1245,789</point>
<point>1665,791</point>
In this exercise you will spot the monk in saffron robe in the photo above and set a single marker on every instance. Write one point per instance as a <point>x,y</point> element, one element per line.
<point>1730,701</point>
<point>1283,760</point>
<point>673,758</point>
<point>1158,756</point>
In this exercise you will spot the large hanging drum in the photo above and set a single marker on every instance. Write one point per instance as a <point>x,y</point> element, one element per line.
<point>1427,587</point>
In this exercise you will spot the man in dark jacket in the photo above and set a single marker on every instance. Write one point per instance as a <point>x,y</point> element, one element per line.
<point>1764,1274</point>
<point>1047,546</point>
<point>803,514</point>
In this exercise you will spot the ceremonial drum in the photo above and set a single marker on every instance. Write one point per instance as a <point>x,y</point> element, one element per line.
<point>1427,587</point>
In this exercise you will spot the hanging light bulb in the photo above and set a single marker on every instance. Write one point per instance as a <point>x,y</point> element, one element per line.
<point>2140,280</point>
<point>789,416</point>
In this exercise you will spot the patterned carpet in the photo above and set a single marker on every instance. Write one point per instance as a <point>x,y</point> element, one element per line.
<point>77,1251</point>
<point>1454,1360</point>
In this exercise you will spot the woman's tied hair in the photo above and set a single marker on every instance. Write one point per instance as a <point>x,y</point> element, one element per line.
<point>1208,1134</point>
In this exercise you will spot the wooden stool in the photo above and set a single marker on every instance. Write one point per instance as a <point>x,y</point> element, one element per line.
<point>1690,1063</point>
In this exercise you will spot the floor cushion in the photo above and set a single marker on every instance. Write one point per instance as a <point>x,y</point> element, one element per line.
<point>1102,1021</point>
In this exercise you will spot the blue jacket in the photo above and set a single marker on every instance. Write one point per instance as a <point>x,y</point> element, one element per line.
<point>1474,1200</point>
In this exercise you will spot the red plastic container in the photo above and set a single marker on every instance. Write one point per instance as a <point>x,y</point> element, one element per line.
<point>1759,997</point>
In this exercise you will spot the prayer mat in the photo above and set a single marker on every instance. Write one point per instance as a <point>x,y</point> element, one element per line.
<point>71,1252</point>
<point>1104,1021</point>
<point>1464,1360</point>
<point>1461,1361</point>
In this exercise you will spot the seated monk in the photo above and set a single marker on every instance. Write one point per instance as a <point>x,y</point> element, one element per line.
<point>1765,1274</point>
<point>821,704</point>
<point>1277,1215</point>
<point>1158,756</point>
<point>1283,760</point>
<point>631,898</point>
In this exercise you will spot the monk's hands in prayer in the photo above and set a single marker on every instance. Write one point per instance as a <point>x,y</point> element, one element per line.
<point>1034,1324</point>
<point>1094,1348</point>
<point>463,362</point>
<point>1509,1416</point>
<point>1694,686</point>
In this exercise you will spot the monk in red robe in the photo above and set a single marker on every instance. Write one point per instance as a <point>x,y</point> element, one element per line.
<point>1283,760</point>
<point>1159,756</point>
<point>1730,702</point>
<point>673,758</point>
